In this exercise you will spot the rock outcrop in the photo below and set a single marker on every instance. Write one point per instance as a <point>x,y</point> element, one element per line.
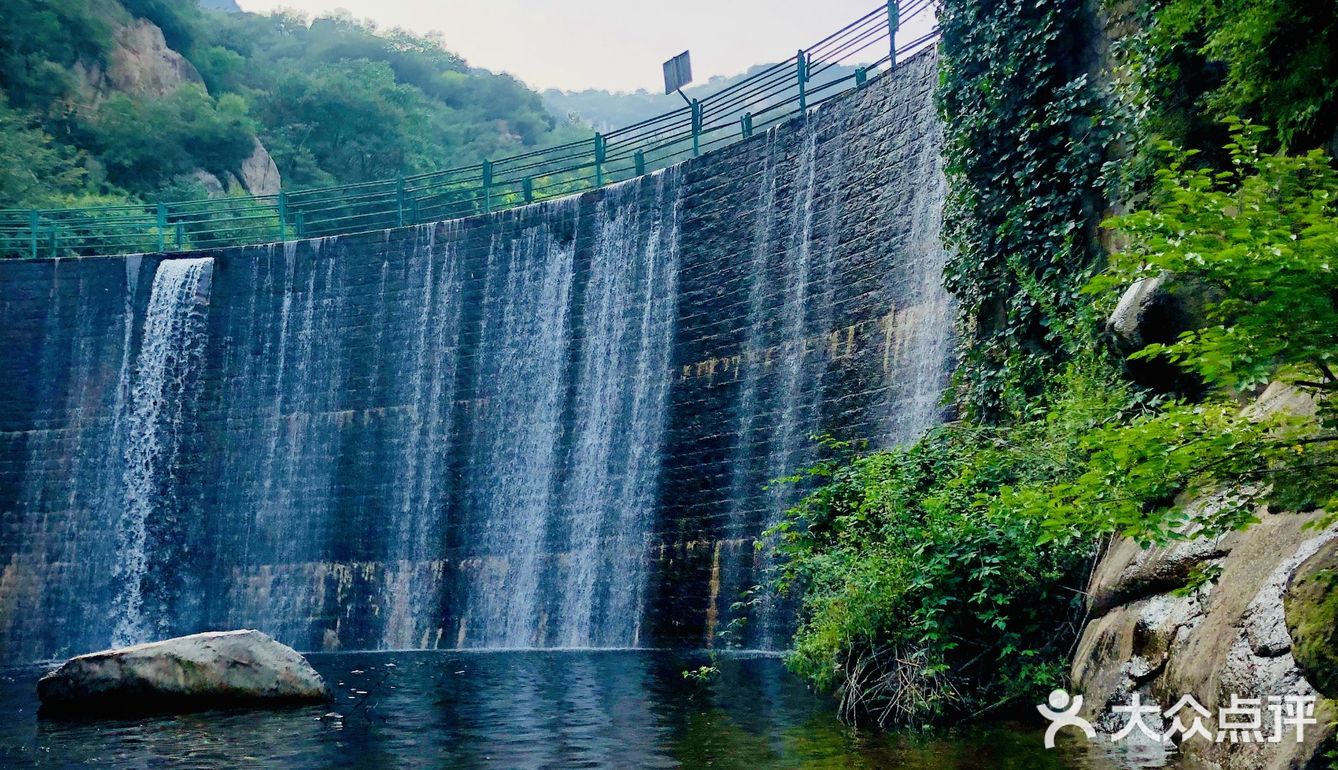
<point>1158,310</point>
<point>1312,617</point>
<point>140,64</point>
<point>189,673</point>
<point>260,175</point>
<point>1228,638</point>
<point>1260,627</point>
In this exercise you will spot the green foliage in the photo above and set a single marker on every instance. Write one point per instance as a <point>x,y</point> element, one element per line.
<point>704,674</point>
<point>1024,156</point>
<point>1200,577</point>
<point>943,578</point>
<point>338,101</point>
<point>190,130</point>
<point>335,100</point>
<point>1264,236</point>
<point>180,20</point>
<point>34,169</point>
<point>63,237</point>
<point>41,39</point>
<point>929,589</point>
<point>1195,63</point>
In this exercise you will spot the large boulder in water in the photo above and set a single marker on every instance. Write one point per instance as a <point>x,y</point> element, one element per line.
<point>189,673</point>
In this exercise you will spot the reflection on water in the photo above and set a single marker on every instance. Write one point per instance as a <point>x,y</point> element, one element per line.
<point>521,710</point>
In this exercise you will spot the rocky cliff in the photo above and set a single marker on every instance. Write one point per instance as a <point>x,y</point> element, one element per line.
<point>1260,626</point>
<point>142,65</point>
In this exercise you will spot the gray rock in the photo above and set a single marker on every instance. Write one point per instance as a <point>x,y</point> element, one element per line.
<point>142,63</point>
<point>259,173</point>
<point>189,673</point>
<point>1158,310</point>
<point>1129,321</point>
<point>213,186</point>
<point>1229,638</point>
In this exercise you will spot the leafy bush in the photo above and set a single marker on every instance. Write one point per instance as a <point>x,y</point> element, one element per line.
<point>33,167</point>
<point>1024,151</point>
<point>180,20</point>
<point>1264,235</point>
<point>1273,61</point>
<point>928,589</point>
<point>40,39</point>
<point>946,578</point>
<point>190,130</point>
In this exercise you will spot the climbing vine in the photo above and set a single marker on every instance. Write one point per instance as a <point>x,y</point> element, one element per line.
<point>1024,151</point>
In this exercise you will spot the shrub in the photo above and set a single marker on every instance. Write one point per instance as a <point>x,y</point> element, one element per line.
<point>928,591</point>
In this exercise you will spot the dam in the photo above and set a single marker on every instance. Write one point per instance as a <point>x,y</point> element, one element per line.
<point>551,427</point>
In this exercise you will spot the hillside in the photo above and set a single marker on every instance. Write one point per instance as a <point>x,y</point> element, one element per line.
<point>607,110</point>
<point>105,101</point>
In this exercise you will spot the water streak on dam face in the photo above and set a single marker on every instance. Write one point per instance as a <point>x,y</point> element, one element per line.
<point>548,427</point>
<point>163,397</point>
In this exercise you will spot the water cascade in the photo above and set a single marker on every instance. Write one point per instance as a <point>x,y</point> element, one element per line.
<point>548,427</point>
<point>161,404</point>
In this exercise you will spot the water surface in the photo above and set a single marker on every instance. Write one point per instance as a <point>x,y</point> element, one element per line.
<point>521,710</point>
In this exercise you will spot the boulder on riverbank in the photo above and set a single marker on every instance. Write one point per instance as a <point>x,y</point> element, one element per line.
<point>189,673</point>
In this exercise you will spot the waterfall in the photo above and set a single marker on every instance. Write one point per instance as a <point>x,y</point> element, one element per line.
<point>413,585</point>
<point>780,384</point>
<point>621,400</point>
<point>547,427</point>
<point>570,467</point>
<point>520,386</point>
<point>172,343</point>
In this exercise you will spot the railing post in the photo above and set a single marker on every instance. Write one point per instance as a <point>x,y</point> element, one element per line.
<point>33,221</point>
<point>300,224</point>
<point>893,23</point>
<point>861,77</point>
<point>801,71</point>
<point>487,186</point>
<point>399,201</point>
<point>600,155</point>
<point>162,228</point>
<point>747,123</point>
<point>527,185</point>
<point>283,217</point>
<point>181,235</point>
<point>696,128</point>
<point>640,160</point>
<point>413,209</point>
<point>52,236</point>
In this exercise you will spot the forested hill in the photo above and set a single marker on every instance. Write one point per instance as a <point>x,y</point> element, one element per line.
<point>103,101</point>
<point>607,110</point>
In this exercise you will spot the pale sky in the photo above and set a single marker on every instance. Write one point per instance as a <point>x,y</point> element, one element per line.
<point>610,44</point>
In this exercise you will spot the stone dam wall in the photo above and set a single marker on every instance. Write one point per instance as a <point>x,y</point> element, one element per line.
<point>546,427</point>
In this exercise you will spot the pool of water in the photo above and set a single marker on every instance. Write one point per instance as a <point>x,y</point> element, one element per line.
<point>523,710</point>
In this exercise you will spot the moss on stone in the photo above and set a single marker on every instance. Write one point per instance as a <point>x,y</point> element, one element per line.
<point>1312,618</point>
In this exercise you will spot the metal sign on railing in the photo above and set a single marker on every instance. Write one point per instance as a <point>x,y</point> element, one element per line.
<point>756,103</point>
<point>677,72</point>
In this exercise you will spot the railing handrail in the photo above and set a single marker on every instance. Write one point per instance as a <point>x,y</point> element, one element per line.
<point>755,103</point>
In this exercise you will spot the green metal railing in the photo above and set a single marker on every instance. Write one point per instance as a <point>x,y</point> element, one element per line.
<point>762,100</point>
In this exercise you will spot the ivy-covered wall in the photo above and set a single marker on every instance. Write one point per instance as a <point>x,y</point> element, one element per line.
<point>1024,152</point>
